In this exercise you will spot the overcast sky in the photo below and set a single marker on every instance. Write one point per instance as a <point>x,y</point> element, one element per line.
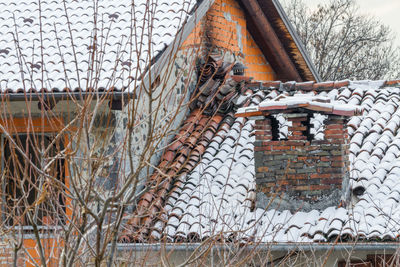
<point>388,11</point>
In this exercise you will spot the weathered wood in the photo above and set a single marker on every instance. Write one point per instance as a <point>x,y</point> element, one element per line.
<point>265,36</point>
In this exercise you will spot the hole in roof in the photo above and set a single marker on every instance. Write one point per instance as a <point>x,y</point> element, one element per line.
<point>113,16</point>
<point>126,63</point>
<point>36,66</point>
<point>359,190</point>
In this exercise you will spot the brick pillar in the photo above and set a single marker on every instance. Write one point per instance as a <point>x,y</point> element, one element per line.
<point>263,138</point>
<point>263,130</point>
<point>301,173</point>
<point>298,127</point>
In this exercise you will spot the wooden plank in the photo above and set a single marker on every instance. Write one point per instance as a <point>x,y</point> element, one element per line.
<point>265,36</point>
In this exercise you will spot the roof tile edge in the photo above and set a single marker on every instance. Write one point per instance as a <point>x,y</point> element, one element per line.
<point>319,86</point>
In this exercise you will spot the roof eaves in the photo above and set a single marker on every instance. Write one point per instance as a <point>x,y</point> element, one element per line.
<point>64,95</point>
<point>268,40</point>
<point>271,247</point>
<point>297,40</point>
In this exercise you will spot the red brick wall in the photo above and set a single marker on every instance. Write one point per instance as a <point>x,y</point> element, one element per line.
<point>301,169</point>
<point>224,29</point>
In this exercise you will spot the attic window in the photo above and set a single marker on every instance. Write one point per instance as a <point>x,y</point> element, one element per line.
<point>32,169</point>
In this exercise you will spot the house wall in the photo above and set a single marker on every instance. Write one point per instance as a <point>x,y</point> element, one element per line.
<point>177,81</point>
<point>172,91</point>
<point>28,254</point>
<point>224,30</point>
<point>108,136</point>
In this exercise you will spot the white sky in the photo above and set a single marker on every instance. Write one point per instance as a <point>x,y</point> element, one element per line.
<point>388,11</point>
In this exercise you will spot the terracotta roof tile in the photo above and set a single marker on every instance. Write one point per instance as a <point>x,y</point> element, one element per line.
<point>23,19</point>
<point>221,182</point>
<point>181,156</point>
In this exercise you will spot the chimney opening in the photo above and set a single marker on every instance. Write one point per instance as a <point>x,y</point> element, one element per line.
<point>302,152</point>
<point>317,126</point>
<point>280,127</point>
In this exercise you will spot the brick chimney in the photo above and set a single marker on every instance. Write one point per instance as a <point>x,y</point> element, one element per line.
<point>299,172</point>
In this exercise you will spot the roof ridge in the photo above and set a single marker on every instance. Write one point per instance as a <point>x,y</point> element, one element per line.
<point>318,86</point>
<point>392,83</point>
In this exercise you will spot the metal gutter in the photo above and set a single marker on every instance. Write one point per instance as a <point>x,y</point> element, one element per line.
<point>64,95</point>
<point>271,247</point>
<point>297,40</point>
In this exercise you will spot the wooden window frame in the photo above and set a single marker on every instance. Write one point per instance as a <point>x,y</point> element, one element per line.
<point>37,125</point>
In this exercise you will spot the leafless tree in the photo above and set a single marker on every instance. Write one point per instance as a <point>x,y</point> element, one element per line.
<point>74,170</point>
<point>342,42</point>
<point>70,173</point>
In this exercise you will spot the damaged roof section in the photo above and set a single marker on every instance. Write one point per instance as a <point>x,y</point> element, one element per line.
<point>211,112</point>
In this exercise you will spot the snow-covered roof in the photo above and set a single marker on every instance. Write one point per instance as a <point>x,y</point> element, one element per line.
<point>54,44</point>
<point>214,194</point>
<point>283,103</point>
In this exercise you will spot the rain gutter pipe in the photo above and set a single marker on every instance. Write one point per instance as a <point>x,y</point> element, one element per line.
<point>274,247</point>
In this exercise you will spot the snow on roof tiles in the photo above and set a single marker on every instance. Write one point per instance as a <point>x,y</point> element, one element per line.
<point>216,195</point>
<point>36,41</point>
<point>321,104</point>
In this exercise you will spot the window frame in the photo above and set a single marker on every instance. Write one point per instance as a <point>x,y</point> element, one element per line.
<point>36,125</point>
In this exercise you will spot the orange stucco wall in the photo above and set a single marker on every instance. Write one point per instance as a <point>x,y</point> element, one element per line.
<point>224,29</point>
<point>51,250</point>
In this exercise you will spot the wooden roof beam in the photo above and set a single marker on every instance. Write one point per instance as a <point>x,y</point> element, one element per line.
<point>272,48</point>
